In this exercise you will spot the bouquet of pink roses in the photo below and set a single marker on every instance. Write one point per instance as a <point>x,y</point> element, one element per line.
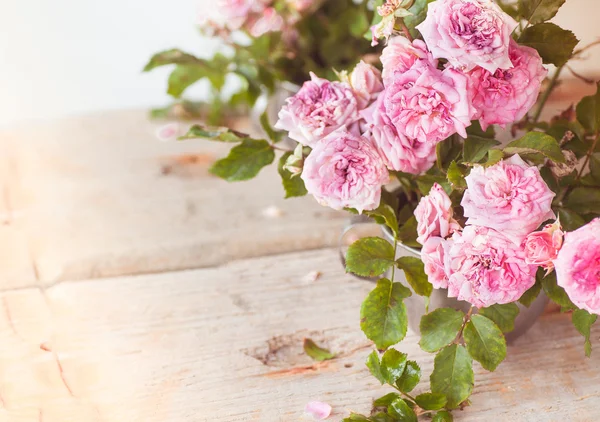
<point>412,144</point>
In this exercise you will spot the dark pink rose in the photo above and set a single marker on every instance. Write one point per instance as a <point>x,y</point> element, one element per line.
<point>344,171</point>
<point>507,95</point>
<point>468,33</point>
<point>487,268</point>
<point>578,266</point>
<point>541,247</point>
<point>510,196</point>
<point>319,108</point>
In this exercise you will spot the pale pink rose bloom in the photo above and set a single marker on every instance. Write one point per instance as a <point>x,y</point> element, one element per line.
<point>578,266</point>
<point>434,255</point>
<point>319,108</point>
<point>434,214</point>
<point>428,104</point>
<point>399,152</point>
<point>318,410</point>
<point>510,196</point>
<point>400,55</point>
<point>542,247</point>
<point>468,33</point>
<point>506,96</point>
<point>231,14</point>
<point>344,171</point>
<point>269,21</point>
<point>487,268</point>
<point>366,83</point>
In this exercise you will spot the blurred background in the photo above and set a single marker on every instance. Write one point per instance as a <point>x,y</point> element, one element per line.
<point>66,57</point>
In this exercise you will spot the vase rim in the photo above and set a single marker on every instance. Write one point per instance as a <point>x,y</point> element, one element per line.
<point>388,234</point>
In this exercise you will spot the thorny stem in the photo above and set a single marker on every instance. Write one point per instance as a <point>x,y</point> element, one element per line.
<point>546,94</point>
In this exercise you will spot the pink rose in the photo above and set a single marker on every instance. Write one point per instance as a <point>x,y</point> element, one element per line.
<point>434,215</point>
<point>270,21</point>
<point>468,33</point>
<point>434,256</point>
<point>400,55</point>
<point>319,108</point>
<point>428,104</point>
<point>399,152</point>
<point>542,247</point>
<point>232,14</point>
<point>366,83</point>
<point>487,268</point>
<point>510,197</point>
<point>578,266</point>
<point>344,171</point>
<point>507,95</point>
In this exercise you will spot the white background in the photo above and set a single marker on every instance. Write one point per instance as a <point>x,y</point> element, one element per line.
<point>63,57</point>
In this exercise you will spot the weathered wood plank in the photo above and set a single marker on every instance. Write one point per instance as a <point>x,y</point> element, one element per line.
<point>225,344</point>
<point>99,196</point>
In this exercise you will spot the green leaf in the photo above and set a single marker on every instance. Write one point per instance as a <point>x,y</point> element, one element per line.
<point>401,411</point>
<point>383,316</point>
<point>173,56</point>
<point>538,11</point>
<point>595,167</point>
<point>315,352</point>
<point>418,13</point>
<point>536,142</point>
<point>214,134</point>
<point>439,328</point>
<point>494,156</point>
<point>292,184</point>
<point>386,400</point>
<point>381,417</point>
<point>426,181</point>
<point>485,342</point>
<point>556,293</point>
<point>374,366</point>
<point>431,401</point>
<point>456,176</point>
<point>502,315</point>
<point>443,416</point>
<point>369,257</point>
<point>393,363</point>
<point>530,295</point>
<point>355,417</point>
<point>410,377</point>
<point>407,234</point>
<point>570,220</point>
<point>584,200</point>
<point>266,126</point>
<point>478,143</point>
<point>184,76</point>
<point>415,274</point>
<point>384,214</point>
<point>554,44</point>
<point>583,320</point>
<point>452,375</point>
<point>244,161</point>
<point>588,111</point>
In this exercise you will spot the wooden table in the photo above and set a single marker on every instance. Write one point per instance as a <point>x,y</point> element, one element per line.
<point>136,287</point>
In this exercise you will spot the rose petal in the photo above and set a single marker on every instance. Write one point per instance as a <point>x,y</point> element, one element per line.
<point>318,410</point>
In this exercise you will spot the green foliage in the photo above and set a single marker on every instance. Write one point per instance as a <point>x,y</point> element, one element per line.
<point>556,293</point>
<point>453,375</point>
<point>393,364</point>
<point>374,365</point>
<point>214,134</point>
<point>173,56</point>
<point>266,126</point>
<point>442,416</point>
<point>383,316</point>
<point>401,411</point>
<point>292,184</point>
<point>485,342</point>
<point>588,111</point>
<point>407,234</point>
<point>369,257</point>
<point>584,200</point>
<point>410,377</point>
<point>439,328</point>
<point>184,76</point>
<point>502,315</point>
<point>536,142</point>
<point>431,401</point>
<point>418,13</point>
<point>456,176</point>
<point>494,156</point>
<point>583,321</point>
<point>315,352</point>
<point>478,143</point>
<point>386,400</point>
<point>415,274</point>
<point>244,161</point>
<point>554,44</point>
<point>354,417</point>
<point>385,215</point>
<point>530,295</point>
<point>538,11</point>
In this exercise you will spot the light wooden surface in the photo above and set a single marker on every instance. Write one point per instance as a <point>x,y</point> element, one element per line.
<point>133,295</point>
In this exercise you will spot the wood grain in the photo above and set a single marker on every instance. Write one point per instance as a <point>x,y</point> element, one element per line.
<point>225,344</point>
